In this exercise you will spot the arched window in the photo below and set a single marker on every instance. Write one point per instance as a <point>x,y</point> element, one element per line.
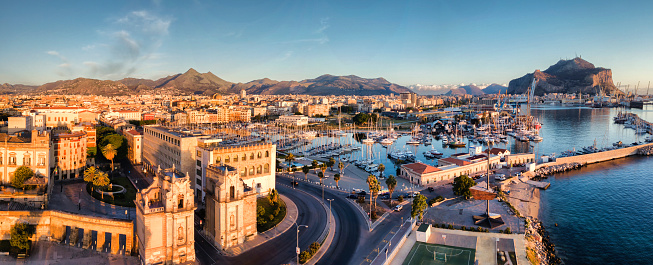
<point>267,153</point>
<point>235,158</point>
<point>266,168</point>
<point>217,160</point>
<point>232,192</point>
<point>251,170</point>
<point>251,157</point>
<point>227,159</point>
<point>260,155</point>
<point>259,169</point>
<point>243,172</point>
<point>244,157</point>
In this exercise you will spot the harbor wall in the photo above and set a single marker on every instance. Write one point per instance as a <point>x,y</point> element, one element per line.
<point>596,157</point>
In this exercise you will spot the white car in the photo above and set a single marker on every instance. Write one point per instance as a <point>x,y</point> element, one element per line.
<point>398,208</point>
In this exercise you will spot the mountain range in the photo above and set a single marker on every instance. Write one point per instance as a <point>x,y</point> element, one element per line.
<point>193,82</point>
<point>567,76</point>
<point>453,90</point>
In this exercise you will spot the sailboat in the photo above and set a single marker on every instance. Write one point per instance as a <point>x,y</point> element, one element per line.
<point>413,139</point>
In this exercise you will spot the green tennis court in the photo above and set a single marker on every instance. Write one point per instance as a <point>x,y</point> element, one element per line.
<point>432,254</point>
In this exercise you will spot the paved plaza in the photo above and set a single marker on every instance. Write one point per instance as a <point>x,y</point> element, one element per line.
<point>45,253</point>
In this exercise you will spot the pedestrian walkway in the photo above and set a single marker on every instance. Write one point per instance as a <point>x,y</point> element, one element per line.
<point>283,226</point>
<point>72,197</point>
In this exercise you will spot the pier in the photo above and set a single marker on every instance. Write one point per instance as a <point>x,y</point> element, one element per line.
<point>597,157</point>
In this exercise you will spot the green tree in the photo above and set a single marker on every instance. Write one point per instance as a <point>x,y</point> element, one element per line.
<point>381,169</point>
<point>20,235</point>
<point>331,162</point>
<point>341,166</point>
<point>109,152</point>
<point>461,185</point>
<point>361,118</point>
<point>119,143</point>
<point>306,169</point>
<point>89,176</point>
<point>21,174</point>
<point>391,182</point>
<point>336,177</point>
<point>273,196</point>
<point>101,180</point>
<point>374,186</point>
<point>314,164</point>
<point>418,206</point>
<point>323,167</point>
<point>289,159</point>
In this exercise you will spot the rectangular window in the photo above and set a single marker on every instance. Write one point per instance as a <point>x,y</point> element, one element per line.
<point>199,172</point>
<point>199,163</point>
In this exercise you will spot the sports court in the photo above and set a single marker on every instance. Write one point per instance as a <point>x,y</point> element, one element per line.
<point>435,254</point>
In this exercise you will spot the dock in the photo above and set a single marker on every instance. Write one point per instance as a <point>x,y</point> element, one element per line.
<point>526,178</point>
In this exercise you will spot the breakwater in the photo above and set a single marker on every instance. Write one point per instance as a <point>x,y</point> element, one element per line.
<point>574,162</point>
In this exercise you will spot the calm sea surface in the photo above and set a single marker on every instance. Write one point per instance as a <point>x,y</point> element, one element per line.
<point>604,211</point>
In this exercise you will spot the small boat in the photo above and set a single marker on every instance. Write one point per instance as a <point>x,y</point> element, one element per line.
<point>368,141</point>
<point>413,142</point>
<point>457,143</point>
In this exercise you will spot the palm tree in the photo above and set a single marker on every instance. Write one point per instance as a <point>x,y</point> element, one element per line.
<point>381,169</point>
<point>392,183</point>
<point>109,152</point>
<point>374,190</point>
<point>341,166</point>
<point>290,158</point>
<point>101,180</point>
<point>331,163</point>
<point>306,169</point>
<point>314,164</point>
<point>336,177</point>
<point>323,167</point>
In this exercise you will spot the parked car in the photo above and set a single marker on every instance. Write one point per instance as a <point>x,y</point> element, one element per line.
<point>398,208</point>
<point>431,189</point>
<point>352,196</point>
<point>500,177</point>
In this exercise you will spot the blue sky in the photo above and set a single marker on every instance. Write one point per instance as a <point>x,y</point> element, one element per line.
<point>406,42</point>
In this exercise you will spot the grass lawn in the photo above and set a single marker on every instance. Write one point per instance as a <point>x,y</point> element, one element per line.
<point>123,199</point>
<point>269,209</point>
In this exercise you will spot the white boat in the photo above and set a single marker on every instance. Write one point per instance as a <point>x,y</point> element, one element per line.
<point>386,141</point>
<point>536,138</point>
<point>413,142</point>
<point>368,141</point>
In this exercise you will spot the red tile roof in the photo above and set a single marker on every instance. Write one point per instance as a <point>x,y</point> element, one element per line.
<point>455,161</point>
<point>496,151</point>
<point>421,168</point>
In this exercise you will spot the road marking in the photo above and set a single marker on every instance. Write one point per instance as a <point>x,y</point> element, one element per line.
<point>207,253</point>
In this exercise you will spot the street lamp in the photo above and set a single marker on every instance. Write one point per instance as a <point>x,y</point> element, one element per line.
<point>330,212</point>
<point>297,245</point>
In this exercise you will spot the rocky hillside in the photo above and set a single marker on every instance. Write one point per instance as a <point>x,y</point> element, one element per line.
<point>85,86</point>
<point>193,82</point>
<point>567,76</point>
<point>8,89</point>
<point>495,89</point>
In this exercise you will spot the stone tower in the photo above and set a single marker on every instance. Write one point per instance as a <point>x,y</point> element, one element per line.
<point>230,207</point>
<point>165,219</point>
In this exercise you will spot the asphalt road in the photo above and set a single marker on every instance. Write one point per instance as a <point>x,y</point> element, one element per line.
<point>353,243</point>
<point>281,249</point>
<point>349,225</point>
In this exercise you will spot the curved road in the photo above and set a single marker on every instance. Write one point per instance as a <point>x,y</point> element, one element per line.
<point>281,249</point>
<point>349,225</point>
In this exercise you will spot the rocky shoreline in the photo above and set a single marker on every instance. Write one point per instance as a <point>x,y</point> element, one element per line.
<point>645,151</point>
<point>543,172</point>
<point>539,242</point>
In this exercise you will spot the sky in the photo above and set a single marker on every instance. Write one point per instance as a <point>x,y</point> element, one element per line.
<point>406,42</point>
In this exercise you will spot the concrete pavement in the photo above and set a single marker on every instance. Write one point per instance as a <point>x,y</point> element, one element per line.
<point>73,198</point>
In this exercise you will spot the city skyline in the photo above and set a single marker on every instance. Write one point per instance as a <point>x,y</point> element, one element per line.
<point>407,43</point>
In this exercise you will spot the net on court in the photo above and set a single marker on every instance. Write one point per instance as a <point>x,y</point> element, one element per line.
<point>432,254</point>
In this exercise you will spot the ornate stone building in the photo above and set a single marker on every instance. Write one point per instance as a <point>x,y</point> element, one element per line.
<point>255,163</point>
<point>230,207</point>
<point>165,219</point>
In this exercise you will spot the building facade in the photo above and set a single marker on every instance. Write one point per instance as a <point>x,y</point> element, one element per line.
<point>135,148</point>
<point>69,155</point>
<point>163,147</point>
<point>230,207</point>
<point>255,164</point>
<point>165,219</point>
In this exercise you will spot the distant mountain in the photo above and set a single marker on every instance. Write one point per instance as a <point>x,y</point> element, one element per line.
<point>85,86</point>
<point>466,90</point>
<point>7,89</point>
<point>567,76</point>
<point>193,82</point>
<point>495,89</point>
